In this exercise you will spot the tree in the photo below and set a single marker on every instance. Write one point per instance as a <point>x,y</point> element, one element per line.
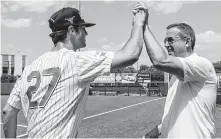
<point>119,70</point>
<point>129,69</point>
<point>217,66</point>
<point>143,68</point>
<point>5,78</point>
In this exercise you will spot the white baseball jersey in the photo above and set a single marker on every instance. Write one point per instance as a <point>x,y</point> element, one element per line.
<point>53,90</point>
<point>190,104</point>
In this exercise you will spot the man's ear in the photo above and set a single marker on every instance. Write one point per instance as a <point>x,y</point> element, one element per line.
<point>71,30</point>
<point>188,42</point>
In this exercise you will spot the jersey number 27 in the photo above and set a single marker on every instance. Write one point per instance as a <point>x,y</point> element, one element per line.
<point>55,72</point>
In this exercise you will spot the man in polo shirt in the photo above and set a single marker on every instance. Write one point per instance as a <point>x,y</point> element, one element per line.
<point>191,101</point>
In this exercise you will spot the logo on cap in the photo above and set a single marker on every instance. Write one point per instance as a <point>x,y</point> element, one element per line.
<point>70,19</point>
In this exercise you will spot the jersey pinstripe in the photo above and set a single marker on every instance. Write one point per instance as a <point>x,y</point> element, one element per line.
<point>53,90</point>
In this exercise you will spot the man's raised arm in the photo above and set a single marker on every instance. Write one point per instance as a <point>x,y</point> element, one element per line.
<point>131,51</point>
<point>158,54</point>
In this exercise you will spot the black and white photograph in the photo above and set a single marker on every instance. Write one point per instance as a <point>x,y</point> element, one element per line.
<point>110,69</point>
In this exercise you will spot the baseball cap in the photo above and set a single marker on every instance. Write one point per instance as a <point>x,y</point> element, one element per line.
<point>65,17</point>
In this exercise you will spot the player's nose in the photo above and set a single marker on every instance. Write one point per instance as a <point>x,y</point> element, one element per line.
<point>85,32</point>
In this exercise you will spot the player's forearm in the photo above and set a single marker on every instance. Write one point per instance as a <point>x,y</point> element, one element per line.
<point>10,128</point>
<point>156,52</point>
<point>9,119</point>
<point>134,45</point>
<point>131,51</point>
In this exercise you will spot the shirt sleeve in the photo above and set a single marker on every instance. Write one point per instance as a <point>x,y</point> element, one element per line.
<point>14,99</point>
<point>91,64</point>
<point>195,69</point>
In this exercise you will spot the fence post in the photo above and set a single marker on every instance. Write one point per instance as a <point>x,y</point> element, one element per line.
<point>140,90</point>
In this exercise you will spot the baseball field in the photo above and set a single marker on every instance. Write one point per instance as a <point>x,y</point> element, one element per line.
<point>117,117</point>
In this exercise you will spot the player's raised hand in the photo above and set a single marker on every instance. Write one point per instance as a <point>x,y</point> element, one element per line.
<point>141,6</point>
<point>139,18</point>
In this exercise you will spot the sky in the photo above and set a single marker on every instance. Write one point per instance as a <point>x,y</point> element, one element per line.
<point>24,25</point>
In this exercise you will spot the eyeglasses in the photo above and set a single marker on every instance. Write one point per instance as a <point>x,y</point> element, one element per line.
<point>169,48</point>
<point>170,40</point>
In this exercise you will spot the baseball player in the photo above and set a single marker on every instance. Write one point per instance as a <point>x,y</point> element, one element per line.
<point>52,91</point>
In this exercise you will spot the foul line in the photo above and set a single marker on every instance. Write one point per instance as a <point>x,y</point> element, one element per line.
<point>22,126</point>
<point>121,108</point>
<point>19,125</point>
<point>23,136</point>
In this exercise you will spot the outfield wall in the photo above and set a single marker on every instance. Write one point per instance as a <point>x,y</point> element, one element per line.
<point>218,99</point>
<point>6,88</point>
<point>115,89</point>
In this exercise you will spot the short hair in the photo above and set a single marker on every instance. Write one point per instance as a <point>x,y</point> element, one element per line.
<point>59,36</point>
<point>186,31</point>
